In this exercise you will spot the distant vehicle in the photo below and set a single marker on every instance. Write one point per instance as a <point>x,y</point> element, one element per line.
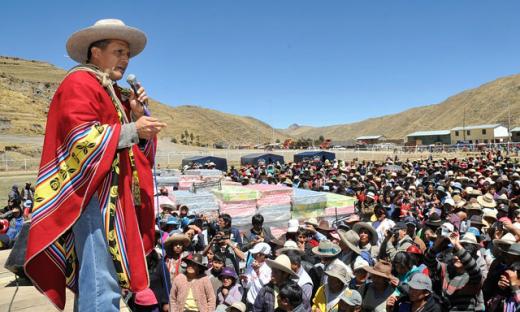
<point>338,147</point>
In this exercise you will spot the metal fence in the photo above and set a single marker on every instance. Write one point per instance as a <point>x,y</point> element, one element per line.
<point>377,153</point>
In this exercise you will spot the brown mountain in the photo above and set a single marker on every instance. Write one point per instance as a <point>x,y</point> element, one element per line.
<point>487,104</point>
<point>26,89</point>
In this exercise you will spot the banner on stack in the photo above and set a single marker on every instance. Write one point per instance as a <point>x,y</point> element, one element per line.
<point>274,202</point>
<point>204,172</point>
<point>308,204</point>
<point>238,202</point>
<point>198,203</point>
<point>339,204</point>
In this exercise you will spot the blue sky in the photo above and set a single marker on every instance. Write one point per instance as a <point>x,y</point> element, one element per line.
<point>290,61</point>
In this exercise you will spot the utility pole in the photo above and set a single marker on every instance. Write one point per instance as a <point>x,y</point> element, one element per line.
<point>464,124</point>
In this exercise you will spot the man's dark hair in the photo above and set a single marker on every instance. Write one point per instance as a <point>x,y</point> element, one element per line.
<point>220,257</point>
<point>292,293</point>
<point>257,219</point>
<point>294,257</point>
<point>101,44</point>
<point>226,218</point>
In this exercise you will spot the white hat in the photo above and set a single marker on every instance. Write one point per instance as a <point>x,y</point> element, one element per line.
<point>263,248</point>
<point>293,226</point>
<point>360,263</point>
<point>80,41</point>
<point>288,246</point>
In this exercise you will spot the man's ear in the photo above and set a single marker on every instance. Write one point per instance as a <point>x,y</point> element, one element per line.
<point>95,52</point>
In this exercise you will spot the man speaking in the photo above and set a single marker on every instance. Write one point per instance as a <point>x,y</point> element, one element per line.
<point>93,218</point>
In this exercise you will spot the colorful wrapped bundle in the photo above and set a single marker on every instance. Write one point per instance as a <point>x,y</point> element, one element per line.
<point>339,204</point>
<point>277,228</point>
<point>186,181</point>
<point>235,193</point>
<point>198,203</point>
<point>304,200</point>
<point>267,190</point>
<point>238,208</point>
<point>204,172</point>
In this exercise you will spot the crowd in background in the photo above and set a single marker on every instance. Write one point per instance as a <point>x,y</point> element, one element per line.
<point>426,235</point>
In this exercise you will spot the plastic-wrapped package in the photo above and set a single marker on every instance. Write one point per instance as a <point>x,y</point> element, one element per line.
<point>198,203</point>
<point>339,204</point>
<point>204,172</point>
<point>235,193</point>
<point>308,204</point>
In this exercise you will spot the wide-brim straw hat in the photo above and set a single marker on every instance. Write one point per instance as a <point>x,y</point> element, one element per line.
<point>351,239</point>
<point>115,29</point>
<point>363,225</point>
<point>487,201</point>
<point>326,248</point>
<point>283,264</point>
<point>177,237</point>
<point>290,246</point>
<point>340,272</point>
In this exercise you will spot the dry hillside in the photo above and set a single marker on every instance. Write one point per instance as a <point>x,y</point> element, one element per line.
<point>486,104</point>
<point>26,88</point>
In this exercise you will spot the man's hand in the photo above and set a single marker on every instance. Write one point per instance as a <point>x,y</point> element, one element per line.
<point>454,239</point>
<point>135,102</point>
<point>148,127</point>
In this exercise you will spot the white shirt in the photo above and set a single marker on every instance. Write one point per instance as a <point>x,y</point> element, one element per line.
<point>256,282</point>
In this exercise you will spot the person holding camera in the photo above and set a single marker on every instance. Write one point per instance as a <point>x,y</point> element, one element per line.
<point>396,240</point>
<point>222,244</point>
<point>458,278</point>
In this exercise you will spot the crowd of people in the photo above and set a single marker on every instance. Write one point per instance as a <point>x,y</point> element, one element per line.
<point>426,235</point>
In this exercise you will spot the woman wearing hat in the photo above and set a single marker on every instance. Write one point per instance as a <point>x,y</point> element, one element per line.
<point>380,288</point>
<point>230,291</point>
<point>192,291</point>
<point>367,238</point>
<point>175,251</point>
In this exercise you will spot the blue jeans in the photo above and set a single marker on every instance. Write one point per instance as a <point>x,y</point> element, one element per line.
<point>97,282</point>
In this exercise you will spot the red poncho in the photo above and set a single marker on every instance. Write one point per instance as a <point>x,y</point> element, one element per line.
<point>79,153</point>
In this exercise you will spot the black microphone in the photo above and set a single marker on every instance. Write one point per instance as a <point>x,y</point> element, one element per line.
<point>132,81</point>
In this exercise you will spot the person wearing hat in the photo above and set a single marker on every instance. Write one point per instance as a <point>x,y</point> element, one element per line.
<point>175,247</point>
<point>192,291</point>
<point>258,273</point>
<point>230,291</point>
<point>395,240</point>
<point>328,295</point>
<point>350,301</point>
<point>237,307</point>
<point>382,224</point>
<point>419,297</point>
<point>459,278</point>
<point>281,274</point>
<point>328,252</point>
<point>92,116</point>
<point>367,238</point>
<point>380,288</point>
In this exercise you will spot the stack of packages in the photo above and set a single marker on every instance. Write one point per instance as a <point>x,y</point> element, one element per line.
<point>186,181</point>
<point>168,181</point>
<point>274,204</point>
<point>239,202</point>
<point>198,203</point>
<point>339,205</point>
<point>308,204</point>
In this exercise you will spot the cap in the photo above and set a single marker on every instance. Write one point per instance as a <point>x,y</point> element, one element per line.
<point>263,248</point>
<point>351,297</point>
